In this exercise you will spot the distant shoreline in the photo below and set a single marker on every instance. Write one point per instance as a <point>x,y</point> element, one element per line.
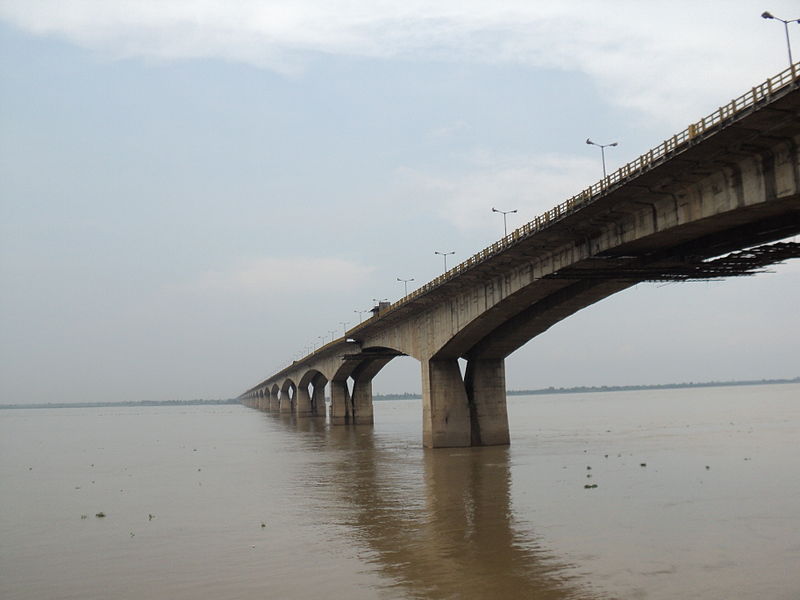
<point>612,388</point>
<point>410,396</point>
<point>121,404</point>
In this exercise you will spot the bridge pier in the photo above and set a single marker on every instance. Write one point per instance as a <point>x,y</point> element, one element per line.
<point>460,412</point>
<point>362,402</point>
<point>302,405</point>
<point>445,410</point>
<point>274,401</point>
<point>340,401</point>
<point>285,401</point>
<point>318,397</point>
<point>485,384</point>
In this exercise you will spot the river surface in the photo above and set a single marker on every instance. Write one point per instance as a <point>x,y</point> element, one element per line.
<point>698,496</point>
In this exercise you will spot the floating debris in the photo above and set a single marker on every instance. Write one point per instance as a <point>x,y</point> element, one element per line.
<point>84,517</point>
<point>707,467</point>
<point>100,515</point>
<point>263,525</point>
<point>132,534</point>
<point>588,468</point>
<point>590,486</point>
<point>150,517</point>
<point>642,464</point>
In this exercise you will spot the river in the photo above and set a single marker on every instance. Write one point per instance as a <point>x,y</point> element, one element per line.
<point>697,496</point>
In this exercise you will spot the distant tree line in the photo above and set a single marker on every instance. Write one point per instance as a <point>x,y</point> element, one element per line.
<point>611,388</point>
<point>634,388</point>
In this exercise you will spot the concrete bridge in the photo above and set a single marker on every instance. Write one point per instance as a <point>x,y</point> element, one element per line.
<point>707,203</point>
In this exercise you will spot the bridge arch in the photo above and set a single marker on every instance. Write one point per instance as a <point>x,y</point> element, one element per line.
<point>351,385</point>
<point>288,396</point>
<point>311,403</point>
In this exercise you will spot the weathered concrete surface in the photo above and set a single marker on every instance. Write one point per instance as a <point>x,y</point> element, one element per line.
<point>733,188</point>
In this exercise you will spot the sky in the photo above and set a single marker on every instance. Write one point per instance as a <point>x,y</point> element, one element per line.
<point>192,194</point>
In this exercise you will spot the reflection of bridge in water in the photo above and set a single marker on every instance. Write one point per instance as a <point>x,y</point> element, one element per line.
<point>707,203</point>
<point>449,534</point>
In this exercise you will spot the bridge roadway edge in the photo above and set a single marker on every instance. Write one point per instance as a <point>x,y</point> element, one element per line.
<point>728,190</point>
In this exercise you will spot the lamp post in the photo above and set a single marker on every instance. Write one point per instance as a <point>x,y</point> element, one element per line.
<point>444,256</point>
<point>602,152</point>
<point>405,284</point>
<point>504,213</point>
<point>360,312</point>
<point>321,338</point>
<point>333,334</point>
<point>769,15</point>
<point>344,327</point>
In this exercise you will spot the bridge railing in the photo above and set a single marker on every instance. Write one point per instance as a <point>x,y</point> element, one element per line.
<point>678,142</point>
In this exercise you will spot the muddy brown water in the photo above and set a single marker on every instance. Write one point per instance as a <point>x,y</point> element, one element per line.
<point>697,496</point>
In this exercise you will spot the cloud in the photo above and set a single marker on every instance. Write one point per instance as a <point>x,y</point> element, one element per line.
<point>531,184</point>
<point>660,59</point>
<point>279,276</point>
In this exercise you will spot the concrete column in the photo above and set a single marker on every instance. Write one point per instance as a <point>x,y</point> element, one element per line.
<point>285,402</point>
<point>302,404</point>
<point>362,402</point>
<point>485,384</point>
<point>340,403</point>
<point>318,398</point>
<point>274,402</point>
<point>445,410</point>
<point>362,389</point>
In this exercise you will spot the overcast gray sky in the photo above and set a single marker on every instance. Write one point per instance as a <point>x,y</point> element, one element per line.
<point>192,193</point>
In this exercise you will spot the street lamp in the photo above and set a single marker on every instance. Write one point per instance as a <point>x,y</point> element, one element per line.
<point>769,15</point>
<point>602,152</point>
<point>321,338</point>
<point>504,213</point>
<point>360,312</point>
<point>344,327</point>
<point>333,334</point>
<point>405,283</point>
<point>444,256</point>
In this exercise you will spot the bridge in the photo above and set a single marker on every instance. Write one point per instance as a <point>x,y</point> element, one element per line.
<point>712,201</point>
